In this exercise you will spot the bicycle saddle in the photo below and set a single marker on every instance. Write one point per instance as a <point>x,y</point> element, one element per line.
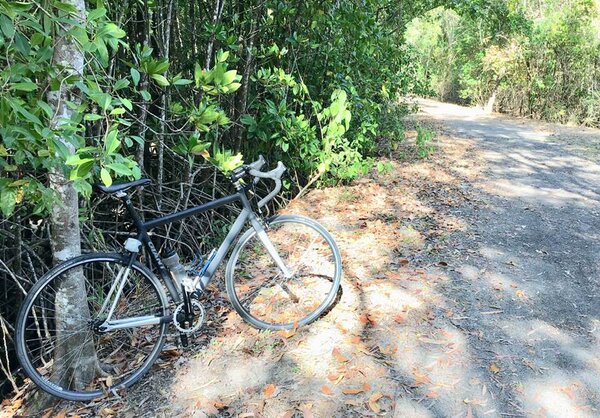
<point>121,186</point>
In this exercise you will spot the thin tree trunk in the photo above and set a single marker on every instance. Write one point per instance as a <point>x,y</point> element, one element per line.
<point>218,12</point>
<point>164,103</point>
<point>72,313</point>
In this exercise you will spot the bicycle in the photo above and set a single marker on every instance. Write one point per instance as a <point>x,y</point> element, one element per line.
<point>283,272</point>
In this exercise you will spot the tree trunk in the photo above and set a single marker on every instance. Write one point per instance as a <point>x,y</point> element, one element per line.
<point>166,35</point>
<point>72,313</point>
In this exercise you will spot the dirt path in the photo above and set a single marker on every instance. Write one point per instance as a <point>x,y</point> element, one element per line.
<point>471,288</point>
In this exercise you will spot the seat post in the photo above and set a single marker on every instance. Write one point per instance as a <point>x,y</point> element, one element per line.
<point>131,209</point>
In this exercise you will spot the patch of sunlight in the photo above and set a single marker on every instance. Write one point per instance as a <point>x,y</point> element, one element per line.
<point>549,196</point>
<point>220,377</point>
<point>535,330</point>
<point>409,408</point>
<point>390,298</point>
<point>556,395</point>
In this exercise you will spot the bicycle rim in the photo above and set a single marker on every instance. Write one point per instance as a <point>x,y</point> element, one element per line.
<point>59,342</point>
<point>258,289</point>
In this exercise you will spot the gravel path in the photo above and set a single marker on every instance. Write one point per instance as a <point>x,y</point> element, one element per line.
<point>527,291</point>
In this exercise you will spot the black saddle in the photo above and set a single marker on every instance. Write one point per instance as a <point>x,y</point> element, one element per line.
<point>121,187</point>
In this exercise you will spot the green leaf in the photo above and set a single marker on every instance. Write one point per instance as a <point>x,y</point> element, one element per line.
<point>6,26</point>
<point>121,84</point>
<point>8,200</point>
<point>117,111</point>
<point>233,87</point>
<point>82,187</point>
<point>145,95</point>
<point>198,75</point>
<point>161,80</point>
<point>222,56</point>
<point>105,176</point>
<point>229,76</point>
<point>135,76</point>
<point>127,103</point>
<point>96,13</point>
<point>22,44</point>
<point>65,7</point>
<point>119,168</point>
<point>24,86</point>
<point>111,142</point>
<point>92,117</point>
<point>111,30</point>
<point>182,82</point>
<point>102,51</point>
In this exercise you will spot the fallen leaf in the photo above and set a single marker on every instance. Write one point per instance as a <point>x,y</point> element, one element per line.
<point>366,387</point>
<point>352,391</point>
<point>63,414</point>
<point>403,261</point>
<point>326,390</point>
<point>399,318</point>
<point>332,377</point>
<point>373,402</point>
<point>520,294</point>
<point>420,378</point>
<point>109,381</point>
<point>269,390</point>
<point>494,368</point>
<point>338,355</point>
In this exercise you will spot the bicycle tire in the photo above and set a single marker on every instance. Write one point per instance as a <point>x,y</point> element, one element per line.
<point>267,308</point>
<point>38,331</point>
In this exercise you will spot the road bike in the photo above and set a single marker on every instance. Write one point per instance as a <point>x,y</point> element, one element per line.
<point>96,323</point>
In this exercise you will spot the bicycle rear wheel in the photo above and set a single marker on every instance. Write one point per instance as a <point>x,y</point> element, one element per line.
<point>58,337</point>
<point>257,288</point>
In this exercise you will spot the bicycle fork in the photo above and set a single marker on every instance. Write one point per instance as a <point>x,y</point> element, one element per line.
<point>264,238</point>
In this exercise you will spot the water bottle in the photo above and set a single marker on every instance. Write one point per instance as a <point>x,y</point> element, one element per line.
<point>171,260</point>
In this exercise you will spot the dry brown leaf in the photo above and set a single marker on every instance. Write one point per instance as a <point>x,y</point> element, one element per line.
<point>420,378</point>
<point>332,377</point>
<point>494,368</point>
<point>47,414</point>
<point>269,390</point>
<point>288,414</point>
<point>399,318</point>
<point>353,391</point>
<point>338,355</point>
<point>326,390</point>
<point>61,414</point>
<point>373,402</point>
<point>367,387</point>
<point>520,294</point>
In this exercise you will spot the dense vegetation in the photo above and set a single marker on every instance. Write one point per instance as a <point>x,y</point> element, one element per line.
<point>538,59</point>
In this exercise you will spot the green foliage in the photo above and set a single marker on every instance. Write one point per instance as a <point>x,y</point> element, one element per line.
<point>539,61</point>
<point>422,142</point>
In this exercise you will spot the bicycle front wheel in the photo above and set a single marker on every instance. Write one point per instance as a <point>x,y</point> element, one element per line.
<point>60,341</point>
<point>261,293</point>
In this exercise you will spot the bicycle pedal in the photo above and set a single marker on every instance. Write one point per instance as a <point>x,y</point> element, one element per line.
<point>184,340</point>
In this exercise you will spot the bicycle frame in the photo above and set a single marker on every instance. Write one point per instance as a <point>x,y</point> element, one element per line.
<point>247,214</point>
